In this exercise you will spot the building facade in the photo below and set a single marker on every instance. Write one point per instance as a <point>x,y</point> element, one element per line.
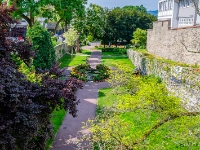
<point>180,13</point>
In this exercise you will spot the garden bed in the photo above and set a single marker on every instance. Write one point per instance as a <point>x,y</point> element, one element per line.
<point>85,73</point>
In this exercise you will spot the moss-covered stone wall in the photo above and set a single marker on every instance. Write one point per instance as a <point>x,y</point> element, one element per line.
<point>184,82</point>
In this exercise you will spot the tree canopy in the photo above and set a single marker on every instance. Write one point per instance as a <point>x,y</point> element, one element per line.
<point>124,21</point>
<point>58,11</point>
<point>114,25</point>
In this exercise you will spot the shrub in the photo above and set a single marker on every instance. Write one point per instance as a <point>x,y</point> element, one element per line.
<point>139,38</point>
<point>26,107</point>
<point>115,50</point>
<point>45,53</point>
<point>90,38</point>
<point>54,41</point>
<point>28,71</point>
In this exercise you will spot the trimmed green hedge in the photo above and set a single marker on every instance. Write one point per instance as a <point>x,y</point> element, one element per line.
<point>115,50</point>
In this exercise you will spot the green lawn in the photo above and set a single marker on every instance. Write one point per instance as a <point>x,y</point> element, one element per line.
<point>56,120</point>
<point>106,97</point>
<point>108,58</point>
<point>79,58</point>
<point>86,52</point>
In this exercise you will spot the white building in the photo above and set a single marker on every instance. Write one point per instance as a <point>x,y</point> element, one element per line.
<point>180,13</point>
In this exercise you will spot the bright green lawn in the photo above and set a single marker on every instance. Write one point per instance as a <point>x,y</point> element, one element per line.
<point>108,58</point>
<point>86,52</point>
<point>79,58</point>
<point>56,120</point>
<point>106,97</point>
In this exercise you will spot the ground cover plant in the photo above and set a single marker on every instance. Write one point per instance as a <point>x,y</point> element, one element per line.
<point>139,113</point>
<point>86,73</point>
<point>26,103</point>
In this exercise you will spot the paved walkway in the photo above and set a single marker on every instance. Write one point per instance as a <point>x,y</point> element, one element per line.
<point>67,136</point>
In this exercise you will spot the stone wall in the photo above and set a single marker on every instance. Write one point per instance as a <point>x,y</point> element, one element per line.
<point>184,82</point>
<point>61,50</point>
<point>182,44</point>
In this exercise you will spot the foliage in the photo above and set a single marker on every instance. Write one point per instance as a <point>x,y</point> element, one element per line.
<point>29,10</point>
<point>93,24</point>
<point>96,17</point>
<point>70,36</point>
<point>60,11</point>
<point>144,116</point>
<point>64,11</point>
<point>140,38</point>
<point>45,53</point>
<point>26,107</point>
<point>85,72</point>
<point>28,71</point>
<point>90,38</point>
<point>54,41</point>
<point>124,21</point>
<point>115,50</point>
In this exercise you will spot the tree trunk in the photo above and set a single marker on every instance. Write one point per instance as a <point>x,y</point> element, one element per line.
<point>27,19</point>
<point>78,45</point>
<point>57,24</point>
<point>31,18</point>
<point>65,28</point>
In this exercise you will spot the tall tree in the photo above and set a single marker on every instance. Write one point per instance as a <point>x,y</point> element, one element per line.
<point>124,21</point>
<point>29,9</point>
<point>96,18</point>
<point>66,10</point>
<point>60,10</point>
<point>70,37</point>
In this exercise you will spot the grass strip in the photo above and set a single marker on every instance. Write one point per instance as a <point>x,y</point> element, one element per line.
<point>56,120</point>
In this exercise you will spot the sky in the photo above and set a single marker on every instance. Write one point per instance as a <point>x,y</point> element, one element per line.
<point>149,4</point>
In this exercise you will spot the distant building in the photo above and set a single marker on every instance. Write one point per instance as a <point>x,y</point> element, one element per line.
<point>180,13</point>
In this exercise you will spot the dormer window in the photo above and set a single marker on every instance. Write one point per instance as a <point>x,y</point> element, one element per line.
<point>182,3</point>
<point>187,3</point>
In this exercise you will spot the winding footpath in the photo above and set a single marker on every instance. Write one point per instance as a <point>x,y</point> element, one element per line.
<point>68,135</point>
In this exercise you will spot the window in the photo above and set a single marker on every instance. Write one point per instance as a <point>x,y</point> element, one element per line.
<point>182,3</point>
<point>164,6</point>
<point>187,3</point>
<point>160,6</point>
<point>172,4</point>
<point>185,21</point>
<point>169,4</point>
<point>162,9</point>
